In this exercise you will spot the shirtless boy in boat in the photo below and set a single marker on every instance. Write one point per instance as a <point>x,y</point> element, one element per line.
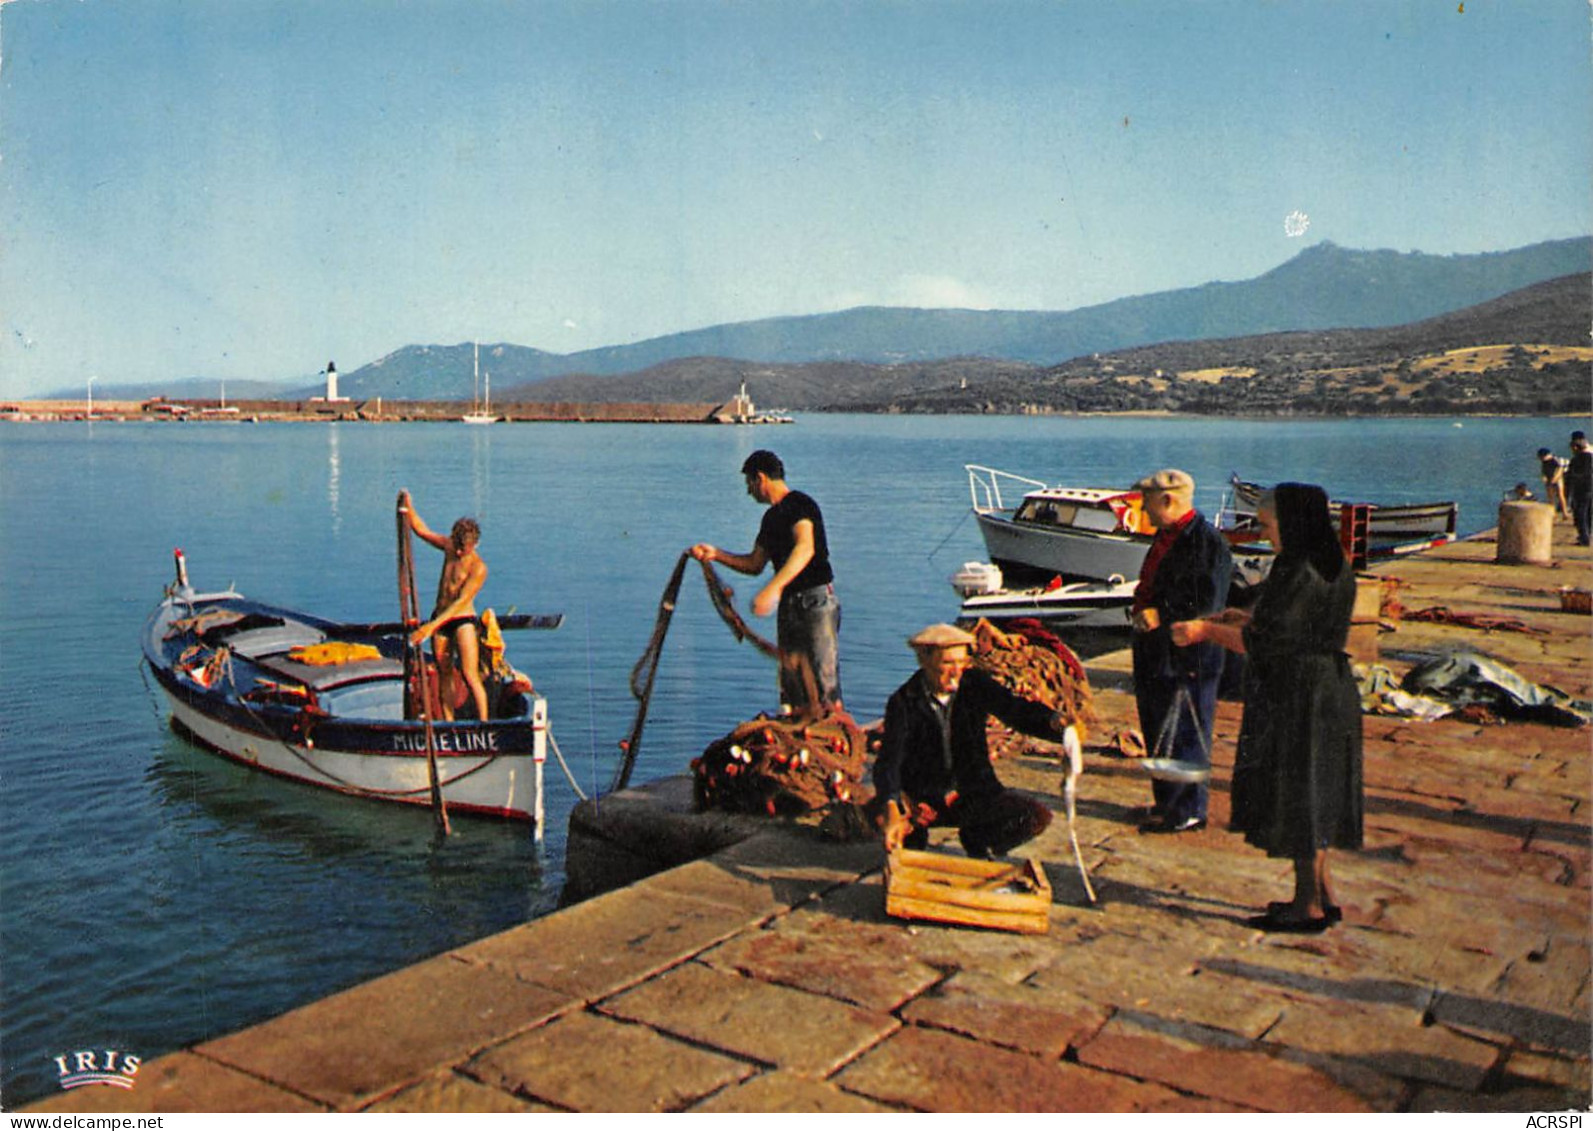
<point>453,627</point>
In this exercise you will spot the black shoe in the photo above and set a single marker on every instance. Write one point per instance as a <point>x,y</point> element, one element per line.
<point>1284,925</point>
<point>1185,825</point>
<point>1332,912</point>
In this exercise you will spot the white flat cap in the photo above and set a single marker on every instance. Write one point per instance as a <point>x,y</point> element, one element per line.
<point>942,636</point>
<point>1167,479</point>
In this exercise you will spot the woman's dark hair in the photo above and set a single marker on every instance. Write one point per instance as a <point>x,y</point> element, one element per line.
<point>1306,529</point>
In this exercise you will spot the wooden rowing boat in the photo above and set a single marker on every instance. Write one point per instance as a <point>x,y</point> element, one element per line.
<point>326,703</point>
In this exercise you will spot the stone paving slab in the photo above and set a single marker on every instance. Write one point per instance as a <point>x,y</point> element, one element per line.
<point>586,1063</point>
<point>1026,1017</point>
<point>933,1071</point>
<point>788,1092</point>
<point>809,1034</point>
<point>448,1091</point>
<point>1390,1039</point>
<point>1242,1073</point>
<point>327,1050</point>
<point>605,944</point>
<point>1127,975</point>
<point>868,965</point>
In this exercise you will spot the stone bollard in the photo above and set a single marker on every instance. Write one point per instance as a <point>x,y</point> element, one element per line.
<point>1526,534</point>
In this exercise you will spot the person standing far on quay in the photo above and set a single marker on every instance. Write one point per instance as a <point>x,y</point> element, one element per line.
<point>803,586</point>
<point>1297,777</point>
<point>1552,468</point>
<point>1579,487</point>
<point>1186,575</point>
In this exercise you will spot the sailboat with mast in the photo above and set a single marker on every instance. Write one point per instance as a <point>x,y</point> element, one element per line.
<point>480,410</point>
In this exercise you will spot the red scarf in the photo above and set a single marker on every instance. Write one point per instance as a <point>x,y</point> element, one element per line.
<point>1165,537</point>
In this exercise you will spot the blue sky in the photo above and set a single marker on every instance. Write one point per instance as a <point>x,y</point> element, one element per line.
<point>246,188</point>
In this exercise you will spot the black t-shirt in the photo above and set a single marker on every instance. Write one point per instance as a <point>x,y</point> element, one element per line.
<point>777,536</point>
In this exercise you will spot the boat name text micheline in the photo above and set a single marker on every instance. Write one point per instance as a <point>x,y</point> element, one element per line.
<point>465,743</point>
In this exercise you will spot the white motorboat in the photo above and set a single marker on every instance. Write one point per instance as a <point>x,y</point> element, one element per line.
<point>1035,532</point>
<point>1084,604</point>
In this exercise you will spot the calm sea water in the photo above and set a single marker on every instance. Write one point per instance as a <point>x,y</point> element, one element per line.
<point>152,895</point>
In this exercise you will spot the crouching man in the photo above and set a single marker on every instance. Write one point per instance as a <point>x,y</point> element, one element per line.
<point>934,763</point>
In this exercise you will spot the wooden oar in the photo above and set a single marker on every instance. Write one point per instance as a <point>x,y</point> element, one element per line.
<point>505,622</point>
<point>415,659</point>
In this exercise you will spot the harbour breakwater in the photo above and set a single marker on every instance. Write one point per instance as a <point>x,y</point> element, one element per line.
<point>377,410</point>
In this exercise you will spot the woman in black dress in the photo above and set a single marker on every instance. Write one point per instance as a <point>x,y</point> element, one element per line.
<point>1297,776</point>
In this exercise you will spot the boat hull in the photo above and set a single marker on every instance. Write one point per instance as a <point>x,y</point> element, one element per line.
<point>1083,605</point>
<point>488,783</point>
<point>493,768</point>
<point>1396,524</point>
<point>1032,553</point>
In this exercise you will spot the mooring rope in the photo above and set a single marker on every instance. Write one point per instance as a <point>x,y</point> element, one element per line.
<point>559,754</point>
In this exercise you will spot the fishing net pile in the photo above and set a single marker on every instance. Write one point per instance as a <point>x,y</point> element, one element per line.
<point>784,767</point>
<point>1033,662</point>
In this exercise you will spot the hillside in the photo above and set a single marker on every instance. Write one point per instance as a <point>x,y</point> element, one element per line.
<point>1526,352</point>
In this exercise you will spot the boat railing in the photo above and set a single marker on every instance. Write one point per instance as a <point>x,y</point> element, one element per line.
<point>984,486</point>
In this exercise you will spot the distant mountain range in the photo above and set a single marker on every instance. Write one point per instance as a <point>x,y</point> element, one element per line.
<point>1525,352</point>
<point>819,360</point>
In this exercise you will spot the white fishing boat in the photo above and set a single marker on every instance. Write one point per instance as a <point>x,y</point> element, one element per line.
<point>480,409</point>
<point>334,705</point>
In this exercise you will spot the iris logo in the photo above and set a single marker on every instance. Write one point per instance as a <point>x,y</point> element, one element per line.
<point>97,1066</point>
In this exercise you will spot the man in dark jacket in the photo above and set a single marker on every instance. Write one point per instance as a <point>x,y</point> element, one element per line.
<point>1185,576</point>
<point>934,763</point>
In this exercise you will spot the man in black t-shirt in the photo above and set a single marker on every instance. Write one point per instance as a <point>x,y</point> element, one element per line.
<point>802,588</point>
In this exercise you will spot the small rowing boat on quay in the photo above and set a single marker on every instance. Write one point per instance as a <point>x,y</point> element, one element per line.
<point>336,705</point>
<point>1391,528</point>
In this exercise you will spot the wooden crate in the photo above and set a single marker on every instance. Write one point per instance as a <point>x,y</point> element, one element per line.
<point>973,893</point>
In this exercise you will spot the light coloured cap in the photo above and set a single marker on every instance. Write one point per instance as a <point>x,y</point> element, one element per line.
<point>1167,479</point>
<point>942,636</point>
